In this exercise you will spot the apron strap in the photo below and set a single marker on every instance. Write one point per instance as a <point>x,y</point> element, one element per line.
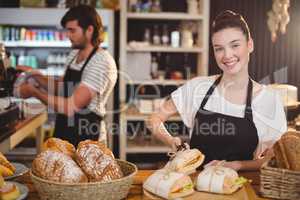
<point>210,91</point>
<point>88,59</point>
<point>248,109</point>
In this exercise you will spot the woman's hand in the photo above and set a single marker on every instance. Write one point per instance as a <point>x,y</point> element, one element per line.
<point>175,142</point>
<point>235,165</point>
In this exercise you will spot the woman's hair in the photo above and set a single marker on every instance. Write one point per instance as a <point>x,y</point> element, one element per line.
<point>86,16</point>
<point>230,19</point>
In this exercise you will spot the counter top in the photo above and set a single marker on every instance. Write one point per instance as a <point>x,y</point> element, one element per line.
<point>136,190</point>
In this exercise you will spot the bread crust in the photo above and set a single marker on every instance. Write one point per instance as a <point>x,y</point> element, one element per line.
<point>56,144</point>
<point>97,161</point>
<point>57,166</point>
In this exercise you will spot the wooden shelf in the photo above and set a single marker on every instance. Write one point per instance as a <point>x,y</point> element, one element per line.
<point>157,82</point>
<point>164,49</point>
<point>164,16</point>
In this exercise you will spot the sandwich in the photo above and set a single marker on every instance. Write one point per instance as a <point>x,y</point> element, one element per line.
<point>186,161</point>
<point>6,168</point>
<point>218,179</point>
<point>287,151</point>
<point>168,185</point>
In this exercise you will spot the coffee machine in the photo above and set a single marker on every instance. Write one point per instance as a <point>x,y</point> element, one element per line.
<point>9,111</point>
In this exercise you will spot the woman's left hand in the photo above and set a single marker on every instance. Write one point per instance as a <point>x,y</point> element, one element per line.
<point>235,165</point>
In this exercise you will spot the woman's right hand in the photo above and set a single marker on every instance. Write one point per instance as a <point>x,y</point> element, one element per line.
<point>176,141</point>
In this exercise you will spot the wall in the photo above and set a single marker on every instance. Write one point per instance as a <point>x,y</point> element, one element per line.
<point>268,59</point>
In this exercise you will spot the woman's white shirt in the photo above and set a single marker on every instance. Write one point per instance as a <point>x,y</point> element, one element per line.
<point>267,108</point>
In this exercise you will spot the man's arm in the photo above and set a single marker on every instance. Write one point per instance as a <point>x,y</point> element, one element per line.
<point>48,83</point>
<point>80,98</point>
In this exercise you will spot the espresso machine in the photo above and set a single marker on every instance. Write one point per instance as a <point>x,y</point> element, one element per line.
<point>9,111</point>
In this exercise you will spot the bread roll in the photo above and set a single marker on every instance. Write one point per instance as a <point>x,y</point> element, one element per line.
<point>287,151</point>
<point>97,161</point>
<point>57,166</point>
<point>6,168</point>
<point>59,145</point>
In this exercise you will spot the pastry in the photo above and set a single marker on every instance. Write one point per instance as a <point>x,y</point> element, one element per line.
<point>59,145</point>
<point>97,161</point>
<point>9,191</point>
<point>57,166</point>
<point>6,168</point>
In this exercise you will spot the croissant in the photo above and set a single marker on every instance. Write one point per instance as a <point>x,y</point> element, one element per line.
<point>6,168</point>
<point>57,166</point>
<point>97,161</point>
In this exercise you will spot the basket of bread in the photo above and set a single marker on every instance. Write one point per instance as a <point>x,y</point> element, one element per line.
<point>61,172</point>
<point>280,177</point>
<point>175,180</point>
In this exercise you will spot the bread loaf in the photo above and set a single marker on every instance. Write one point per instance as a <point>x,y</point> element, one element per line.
<point>287,151</point>
<point>59,145</point>
<point>57,166</point>
<point>97,161</point>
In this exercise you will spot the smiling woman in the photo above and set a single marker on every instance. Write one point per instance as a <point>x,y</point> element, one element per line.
<point>251,115</point>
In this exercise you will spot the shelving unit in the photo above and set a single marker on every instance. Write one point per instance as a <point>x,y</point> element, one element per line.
<point>50,17</point>
<point>200,49</point>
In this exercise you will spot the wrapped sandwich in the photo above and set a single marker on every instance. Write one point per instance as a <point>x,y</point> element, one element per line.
<point>168,185</point>
<point>186,161</point>
<point>218,179</point>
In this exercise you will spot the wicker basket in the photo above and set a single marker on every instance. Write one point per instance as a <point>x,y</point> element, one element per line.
<point>112,190</point>
<point>279,183</point>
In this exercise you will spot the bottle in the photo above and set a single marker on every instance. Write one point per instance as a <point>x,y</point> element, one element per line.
<point>187,67</point>
<point>156,7</point>
<point>175,39</point>
<point>147,36</point>
<point>1,33</point>
<point>13,60</point>
<point>156,36</point>
<point>165,35</point>
<point>167,67</point>
<point>21,59</point>
<point>154,68</point>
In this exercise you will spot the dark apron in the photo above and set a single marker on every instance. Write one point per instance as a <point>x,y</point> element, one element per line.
<point>84,124</point>
<point>224,137</point>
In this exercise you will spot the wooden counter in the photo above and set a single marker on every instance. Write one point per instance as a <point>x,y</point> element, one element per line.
<point>136,189</point>
<point>23,128</point>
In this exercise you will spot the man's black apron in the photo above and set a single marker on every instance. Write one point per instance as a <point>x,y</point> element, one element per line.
<point>224,137</point>
<point>84,124</point>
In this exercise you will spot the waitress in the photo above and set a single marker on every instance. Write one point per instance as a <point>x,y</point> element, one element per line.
<point>89,78</point>
<point>230,116</point>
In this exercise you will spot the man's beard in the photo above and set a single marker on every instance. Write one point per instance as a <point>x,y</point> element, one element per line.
<point>80,45</point>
